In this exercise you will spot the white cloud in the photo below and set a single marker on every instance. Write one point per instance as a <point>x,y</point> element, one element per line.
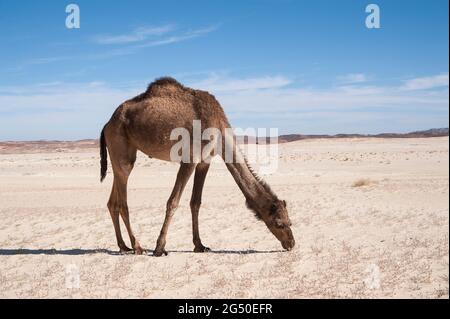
<point>273,101</point>
<point>359,90</point>
<point>58,110</point>
<point>141,37</point>
<point>183,36</point>
<point>61,97</point>
<point>66,110</point>
<point>271,95</point>
<point>40,61</point>
<point>137,35</point>
<point>353,78</point>
<point>425,83</point>
<point>217,83</point>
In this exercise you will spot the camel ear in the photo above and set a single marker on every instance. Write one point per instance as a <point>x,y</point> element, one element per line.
<point>284,204</point>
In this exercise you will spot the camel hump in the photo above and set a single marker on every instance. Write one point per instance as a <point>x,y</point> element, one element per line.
<point>164,81</point>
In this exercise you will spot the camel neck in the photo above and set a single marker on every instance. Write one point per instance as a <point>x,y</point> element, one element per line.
<point>254,190</point>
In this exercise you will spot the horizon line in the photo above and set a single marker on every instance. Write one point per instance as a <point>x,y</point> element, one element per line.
<point>426,133</point>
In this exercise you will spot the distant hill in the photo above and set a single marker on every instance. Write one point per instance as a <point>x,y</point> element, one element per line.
<point>46,146</point>
<point>434,132</point>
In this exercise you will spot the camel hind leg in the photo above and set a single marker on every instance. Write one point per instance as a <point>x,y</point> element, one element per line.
<point>196,199</point>
<point>114,211</point>
<point>123,156</point>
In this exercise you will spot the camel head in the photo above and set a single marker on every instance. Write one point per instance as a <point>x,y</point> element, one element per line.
<point>277,220</point>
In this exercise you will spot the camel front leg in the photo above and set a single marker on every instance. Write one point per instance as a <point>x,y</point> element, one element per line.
<point>134,242</point>
<point>196,200</point>
<point>185,171</point>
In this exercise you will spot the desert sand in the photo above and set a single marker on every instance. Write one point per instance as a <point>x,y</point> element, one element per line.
<point>370,217</point>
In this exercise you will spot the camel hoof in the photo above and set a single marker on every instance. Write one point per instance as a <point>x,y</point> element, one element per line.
<point>201,249</point>
<point>139,250</point>
<point>160,252</point>
<point>125,250</point>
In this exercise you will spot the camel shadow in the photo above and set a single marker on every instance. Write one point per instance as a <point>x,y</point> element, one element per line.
<point>70,252</point>
<point>232,252</point>
<point>78,252</point>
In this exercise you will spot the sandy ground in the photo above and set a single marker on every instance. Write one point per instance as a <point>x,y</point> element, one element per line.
<point>370,216</point>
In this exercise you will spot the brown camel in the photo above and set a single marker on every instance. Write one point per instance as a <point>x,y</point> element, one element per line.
<point>145,123</point>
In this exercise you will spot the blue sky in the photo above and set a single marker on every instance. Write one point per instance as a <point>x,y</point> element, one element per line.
<point>299,66</point>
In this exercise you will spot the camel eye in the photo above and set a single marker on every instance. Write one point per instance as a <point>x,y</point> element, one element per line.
<point>279,223</point>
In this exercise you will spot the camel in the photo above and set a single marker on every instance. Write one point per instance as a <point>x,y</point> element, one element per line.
<point>145,123</point>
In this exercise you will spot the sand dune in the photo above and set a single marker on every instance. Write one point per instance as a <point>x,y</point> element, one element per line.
<point>370,216</point>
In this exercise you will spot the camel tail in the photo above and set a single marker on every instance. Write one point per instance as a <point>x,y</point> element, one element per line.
<point>103,156</point>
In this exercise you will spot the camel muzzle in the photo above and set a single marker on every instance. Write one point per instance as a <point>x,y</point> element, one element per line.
<point>288,245</point>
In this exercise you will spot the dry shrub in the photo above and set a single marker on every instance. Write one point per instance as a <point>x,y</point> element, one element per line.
<point>363,182</point>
